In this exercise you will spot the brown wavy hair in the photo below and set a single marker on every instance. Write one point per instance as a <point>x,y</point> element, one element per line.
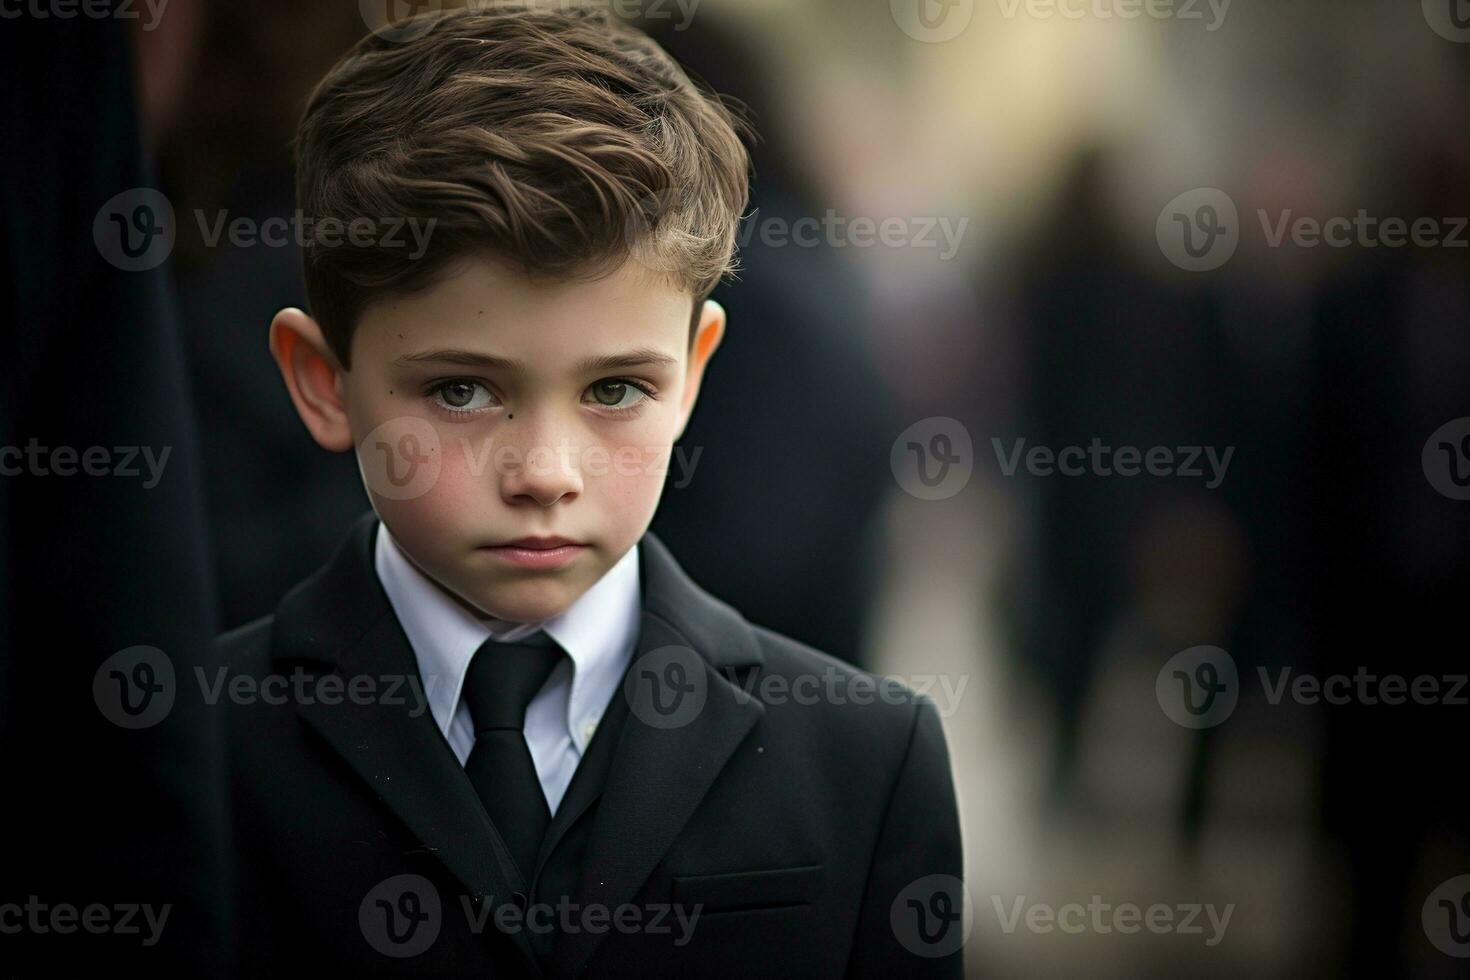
<point>561,140</point>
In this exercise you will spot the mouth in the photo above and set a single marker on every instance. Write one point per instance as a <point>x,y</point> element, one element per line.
<point>537,553</point>
<point>539,544</point>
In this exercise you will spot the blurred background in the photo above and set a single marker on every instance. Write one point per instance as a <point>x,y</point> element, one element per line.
<point>980,229</point>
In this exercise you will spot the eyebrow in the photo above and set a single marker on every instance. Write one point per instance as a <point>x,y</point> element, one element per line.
<point>637,357</point>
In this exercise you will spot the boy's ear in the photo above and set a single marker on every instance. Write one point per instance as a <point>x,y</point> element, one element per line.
<point>707,337</point>
<point>312,376</point>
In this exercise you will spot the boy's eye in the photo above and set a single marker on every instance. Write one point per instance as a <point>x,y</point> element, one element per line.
<point>462,396</point>
<point>615,393</point>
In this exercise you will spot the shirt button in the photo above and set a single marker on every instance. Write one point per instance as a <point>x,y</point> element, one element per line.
<point>588,730</point>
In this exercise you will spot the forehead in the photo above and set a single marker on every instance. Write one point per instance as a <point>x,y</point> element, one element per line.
<point>483,304</point>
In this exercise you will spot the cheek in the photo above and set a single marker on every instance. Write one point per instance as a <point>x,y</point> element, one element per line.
<point>630,477</point>
<point>420,478</point>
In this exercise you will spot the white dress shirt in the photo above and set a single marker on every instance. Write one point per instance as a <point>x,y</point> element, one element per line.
<point>597,631</point>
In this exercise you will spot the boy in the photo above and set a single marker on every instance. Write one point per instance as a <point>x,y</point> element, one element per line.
<point>502,733</point>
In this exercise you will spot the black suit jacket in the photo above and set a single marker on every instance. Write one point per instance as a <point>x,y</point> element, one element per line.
<point>810,823</point>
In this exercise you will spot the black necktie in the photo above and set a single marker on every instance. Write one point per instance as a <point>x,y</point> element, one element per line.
<point>502,679</point>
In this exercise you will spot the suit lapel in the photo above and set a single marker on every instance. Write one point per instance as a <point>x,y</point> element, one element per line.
<point>340,621</point>
<point>396,749</point>
<point>663,765</point>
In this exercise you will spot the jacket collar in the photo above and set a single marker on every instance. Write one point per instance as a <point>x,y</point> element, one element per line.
<point>340,620</point>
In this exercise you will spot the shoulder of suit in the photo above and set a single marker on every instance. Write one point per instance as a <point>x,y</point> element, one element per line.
<point>872,699</point>
<point>784,653</point>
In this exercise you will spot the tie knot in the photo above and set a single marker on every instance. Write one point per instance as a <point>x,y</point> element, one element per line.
<point>504,677</point>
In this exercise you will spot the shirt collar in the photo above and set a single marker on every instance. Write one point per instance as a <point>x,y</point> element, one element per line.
<point>597,631</point>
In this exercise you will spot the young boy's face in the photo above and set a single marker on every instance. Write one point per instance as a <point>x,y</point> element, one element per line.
<point>492,408</point>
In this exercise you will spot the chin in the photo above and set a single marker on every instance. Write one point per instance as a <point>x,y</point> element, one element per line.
<point>525,605</point>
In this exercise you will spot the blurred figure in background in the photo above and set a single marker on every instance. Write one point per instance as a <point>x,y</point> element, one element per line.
<point>275,501</point>
<point>112,765</point>
<point>1391,565</point>
<point>793,436</point>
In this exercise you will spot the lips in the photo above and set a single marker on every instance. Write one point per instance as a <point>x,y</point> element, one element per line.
<point>538,553</point>
<point>538,544</point>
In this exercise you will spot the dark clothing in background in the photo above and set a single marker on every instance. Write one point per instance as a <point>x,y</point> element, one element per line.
<point>793,430</point>
<point>276,499</point>
<point>96,814</point>
<point>781,518</point>
<point>1388,588</point>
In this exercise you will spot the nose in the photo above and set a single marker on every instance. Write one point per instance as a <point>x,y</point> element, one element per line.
<point>543,468</point>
